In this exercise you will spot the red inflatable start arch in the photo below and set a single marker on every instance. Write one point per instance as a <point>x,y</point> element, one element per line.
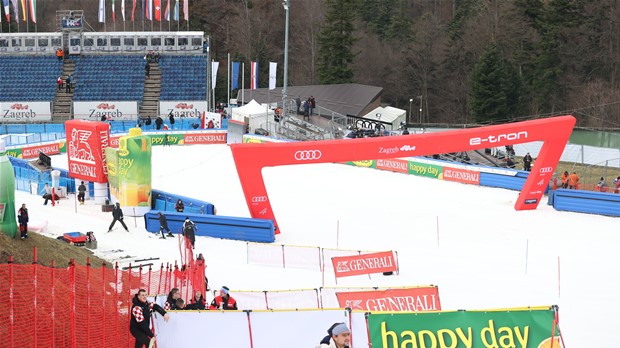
<point>250,159</point>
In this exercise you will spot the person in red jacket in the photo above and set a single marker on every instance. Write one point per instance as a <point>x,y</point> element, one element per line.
<point>224,301</point>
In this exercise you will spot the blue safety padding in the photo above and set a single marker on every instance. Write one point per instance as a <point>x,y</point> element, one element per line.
<point>166,201</point>
<point>602,203</point>
<point>226,227</point>
<point>551,197</point>
<point>160,204</point>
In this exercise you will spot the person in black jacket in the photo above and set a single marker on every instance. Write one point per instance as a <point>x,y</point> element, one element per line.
<point>158,123</point>
<point>171,300</point>
<point>171,119</point>
<point>141,317</point>
<point>179,207</point>
<point>22,218</point>
<point>81,192</point>
<point>163,225</point>
<point>189,231</point>
<point>117,213</point>
<point>198,302</point>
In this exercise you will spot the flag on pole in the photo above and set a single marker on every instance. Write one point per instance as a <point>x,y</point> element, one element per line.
<point>186,9</point>
<point>25,10</point>
<point>101,11</point>
<point>123,9</point>
<point>158,10</point>
<point>176,11</point>
<point>235,75</point>
<point>214,66</point>
<point>6,11</point>
<point>149,10</point>
<point>167,13</point>
<point>133,10</point>
<point>254,75</point>
<point>113,13</point>
<point>272,74</point>
<point>33,11</point>
<point>16,9</point>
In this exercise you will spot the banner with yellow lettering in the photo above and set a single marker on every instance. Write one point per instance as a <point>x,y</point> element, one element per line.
<point>520,328</point>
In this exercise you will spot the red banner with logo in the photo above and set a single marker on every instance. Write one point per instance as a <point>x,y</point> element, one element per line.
<point>418,299</point>
<point>204,138</point>
<point>393,165</point>
<point>86,143</point>
<point>33,151</point>
<point>461,175</point>
<point>346,266</point>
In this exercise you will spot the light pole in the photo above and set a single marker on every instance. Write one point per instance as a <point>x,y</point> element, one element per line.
<point>286,5</point>
<point>420,108</point>
<point>410,103</point>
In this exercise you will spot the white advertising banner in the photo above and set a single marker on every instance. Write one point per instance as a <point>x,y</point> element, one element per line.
<point>113,111</point>
<point>23,112</point>
<point>180,109</point>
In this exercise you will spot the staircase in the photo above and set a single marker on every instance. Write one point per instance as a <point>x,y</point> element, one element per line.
<point>152,91</point>
<point>62,101</point>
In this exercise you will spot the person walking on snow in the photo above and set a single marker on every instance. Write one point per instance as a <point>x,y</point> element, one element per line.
<point>189,230</point>
<point>163,225</point>
<point>117,214</point>
<point>81,193</point>
<point>22,218</point>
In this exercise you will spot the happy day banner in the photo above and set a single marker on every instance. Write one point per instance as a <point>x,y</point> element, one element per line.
<point>527,328</point>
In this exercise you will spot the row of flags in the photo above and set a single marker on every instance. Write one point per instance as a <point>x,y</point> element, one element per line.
<point>29,10</point>
<point>253,74</point>
<point>152,10</point>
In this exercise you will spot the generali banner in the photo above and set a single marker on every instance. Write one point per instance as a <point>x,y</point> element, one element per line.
<point>418,299</point>
<point>192,109</point>
<point>86,143</point>
<point>48,149</point>
<point>461,175</point>
<point>346,266</point>
<point>113,111</point>
<point>20,112</point>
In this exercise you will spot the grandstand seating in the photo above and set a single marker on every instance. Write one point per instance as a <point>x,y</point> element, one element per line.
<point>183,77</point>
<point>109,78</point>
<point>29,78</point>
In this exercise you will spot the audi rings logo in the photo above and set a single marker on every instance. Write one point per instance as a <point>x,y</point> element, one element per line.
<point>259,199</point>
<point>308,155</point>
<point>546,170</point>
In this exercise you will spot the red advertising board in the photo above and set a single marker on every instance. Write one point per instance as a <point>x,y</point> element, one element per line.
<point>461,175</point>
<point>346,266</point>
<point>204,138</point>
<point>393,165</point>
<point>419,299</point>
<point>114,142</point>
<point>86,143</point>
<point>33,151</point>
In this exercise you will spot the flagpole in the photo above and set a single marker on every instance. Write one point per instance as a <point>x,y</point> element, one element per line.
<point>211,82</point>
<point>228,87</point>
<point>242,83</point>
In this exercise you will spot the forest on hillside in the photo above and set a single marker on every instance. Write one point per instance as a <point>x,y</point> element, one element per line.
<point>464,61</point>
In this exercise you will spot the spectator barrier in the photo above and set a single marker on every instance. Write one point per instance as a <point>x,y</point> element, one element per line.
<point>165,201</point>
<point>601,203</point>
<point>226,227</point>
<point>297,256</point>
<point>76,306</point>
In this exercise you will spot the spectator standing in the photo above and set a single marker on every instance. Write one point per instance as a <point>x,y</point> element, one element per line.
<point>573,181</point>
<point>158,123</point>
<point>171,300</point>
<point>147,70</point>
<point>224,300</point>
<point>179,207</point>
<point>163,225</point>
<point>117,214</point>
<point>307,109</point>
<point>69,83</point>
<point>602,185</point>
<point>81,193</point>
<point>617,185</point>
<point>338,336</point>
<point>527,162</point>
<point>198,302</point>
<point>139,325</point>
<point>298,103</point>
<point>312,104</point>
<point>189,231</point>
<point>59,81</point>
<point>171,119</point>
<point>565,176</point>
<point>59,53</point>
<point>22,218</point>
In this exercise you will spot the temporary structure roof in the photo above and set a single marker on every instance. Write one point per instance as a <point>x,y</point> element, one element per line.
<point>250,110</point>
<point>388,114</point>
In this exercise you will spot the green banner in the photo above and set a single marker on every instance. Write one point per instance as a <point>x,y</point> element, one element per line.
<point>463,329</point>
<point>166,139</point>
<point>367,163</point>
<point>111,161</point>
<point>425,169</point>
<point>17,152</point>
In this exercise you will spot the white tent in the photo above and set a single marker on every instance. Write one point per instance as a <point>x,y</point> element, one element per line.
<point>388,114</point>
<point>254,114</point>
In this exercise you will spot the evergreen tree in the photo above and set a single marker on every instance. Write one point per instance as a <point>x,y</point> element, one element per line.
<point>494,94</point>
<point>336,42</point>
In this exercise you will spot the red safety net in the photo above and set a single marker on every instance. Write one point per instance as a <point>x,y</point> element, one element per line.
<point>81,306</point>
